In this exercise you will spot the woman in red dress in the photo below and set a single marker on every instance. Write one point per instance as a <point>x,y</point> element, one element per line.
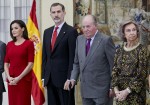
<point>18,64</point>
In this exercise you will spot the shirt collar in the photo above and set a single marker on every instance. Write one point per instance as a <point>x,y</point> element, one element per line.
<point>94,35</point>
<point>60,26</point>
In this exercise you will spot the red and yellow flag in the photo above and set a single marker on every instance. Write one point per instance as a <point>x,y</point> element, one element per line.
<point>34,35</point>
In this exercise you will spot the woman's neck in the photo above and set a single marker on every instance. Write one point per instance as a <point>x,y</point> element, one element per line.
<point>131,44</point>
<point>19,40</point>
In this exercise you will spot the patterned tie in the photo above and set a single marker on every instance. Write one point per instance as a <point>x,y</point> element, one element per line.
<point>88,45</point>
<point>54,37</point>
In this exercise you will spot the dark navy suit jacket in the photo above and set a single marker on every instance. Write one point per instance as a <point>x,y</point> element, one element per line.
<point>57,64</point>
<point>2,55</point>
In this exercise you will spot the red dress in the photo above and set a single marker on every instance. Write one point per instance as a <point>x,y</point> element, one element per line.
<point>18,57</point>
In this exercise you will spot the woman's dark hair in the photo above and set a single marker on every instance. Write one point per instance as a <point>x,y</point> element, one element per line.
<point>22,25</point>
<point>122,29</point>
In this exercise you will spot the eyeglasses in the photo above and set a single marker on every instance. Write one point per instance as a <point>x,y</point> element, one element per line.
<point>129,30</point>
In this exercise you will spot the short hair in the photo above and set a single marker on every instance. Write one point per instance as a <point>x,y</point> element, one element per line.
<point>94,19</point>
<point>56,4</point>
<point>121,32</point>
<point>22,25</point>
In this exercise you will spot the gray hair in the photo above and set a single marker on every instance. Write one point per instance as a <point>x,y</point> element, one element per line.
<point>94,19</point>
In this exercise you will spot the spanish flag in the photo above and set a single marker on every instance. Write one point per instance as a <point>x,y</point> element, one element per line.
<point>34,35</point>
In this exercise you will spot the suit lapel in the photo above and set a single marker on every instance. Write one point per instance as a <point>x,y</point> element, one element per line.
<point>83,47</point>
<point>81,50</point>
<point>96,42</point>
<point>49,38</point>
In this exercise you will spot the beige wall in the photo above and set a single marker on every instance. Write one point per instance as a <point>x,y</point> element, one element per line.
<point>46,20</point>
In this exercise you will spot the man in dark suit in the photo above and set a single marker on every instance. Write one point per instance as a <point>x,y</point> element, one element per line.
<point>2,55</point>
<point>57,60</point>
<point>94,57</point>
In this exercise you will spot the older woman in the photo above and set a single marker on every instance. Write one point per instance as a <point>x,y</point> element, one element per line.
<point>130,67</point>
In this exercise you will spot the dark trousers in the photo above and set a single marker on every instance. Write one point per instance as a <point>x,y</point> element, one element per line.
<point>1,98</point>
<point>59,96</point>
